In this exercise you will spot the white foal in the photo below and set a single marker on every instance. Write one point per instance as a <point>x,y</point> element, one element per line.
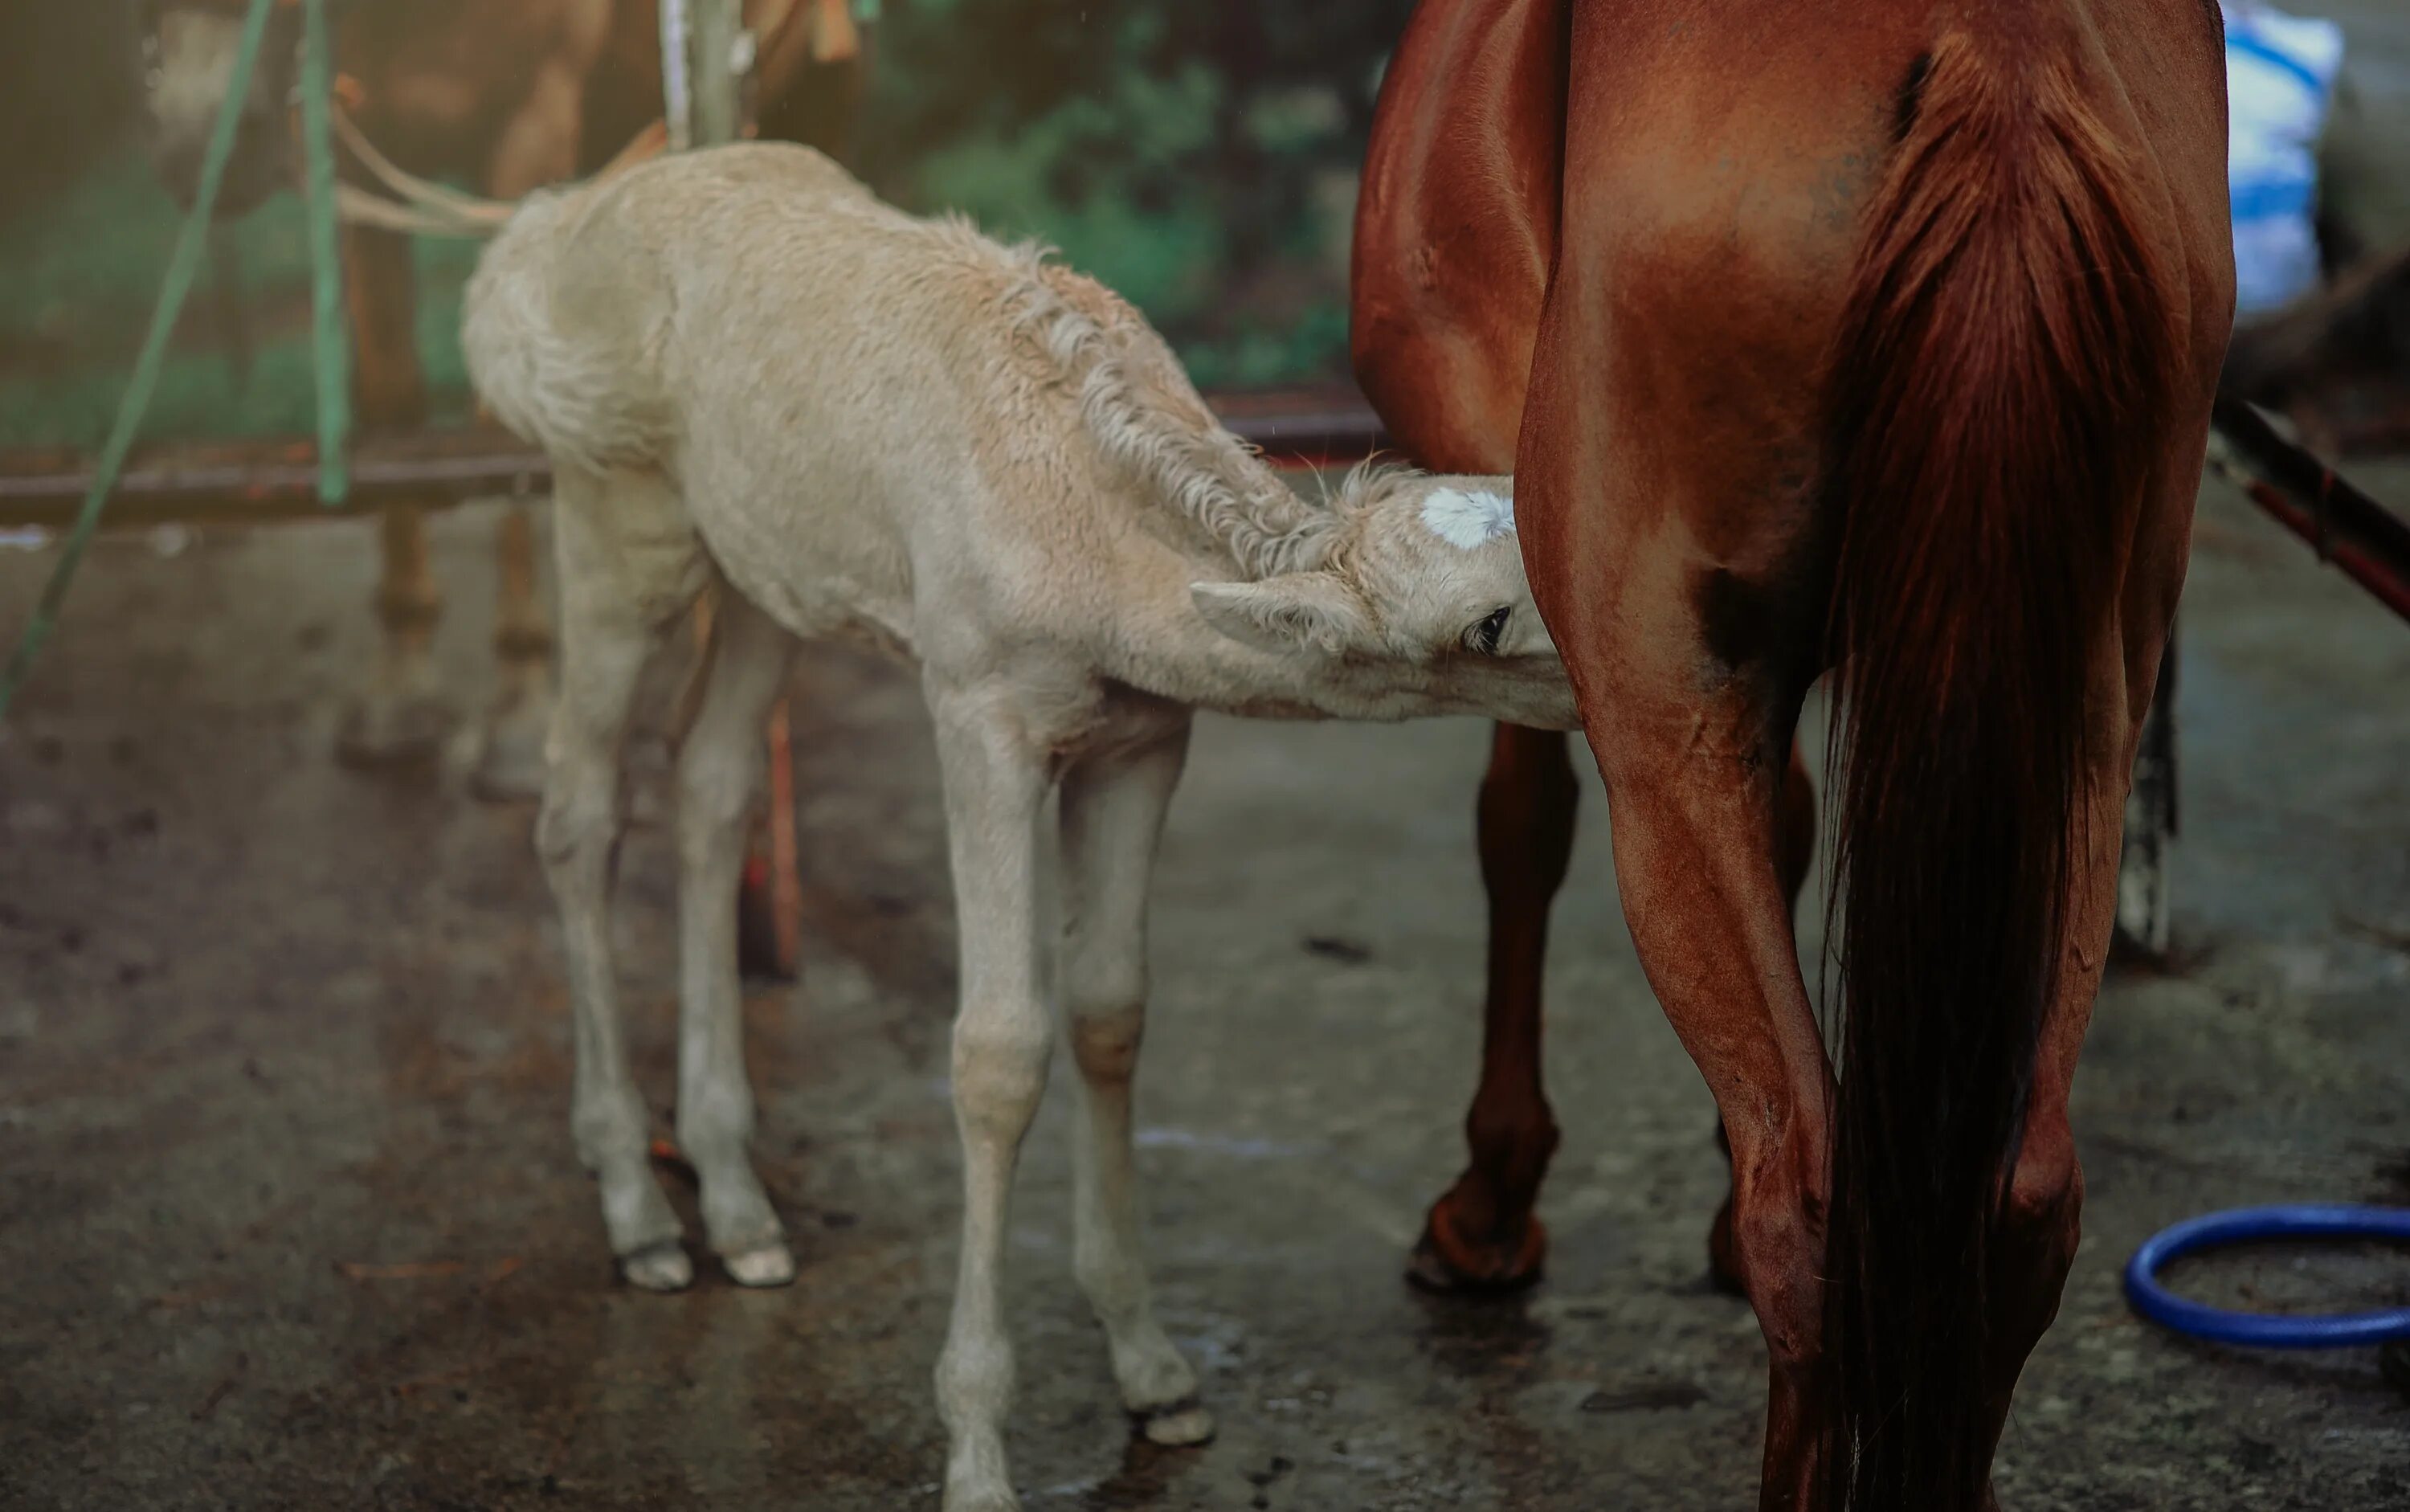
<point>754,377</point>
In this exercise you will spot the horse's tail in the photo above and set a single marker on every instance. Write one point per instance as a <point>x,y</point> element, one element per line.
<point>1995,393</point>
<point>560,327</point>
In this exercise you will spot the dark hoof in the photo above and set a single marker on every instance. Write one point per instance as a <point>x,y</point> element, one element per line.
<point>1445,1262</point>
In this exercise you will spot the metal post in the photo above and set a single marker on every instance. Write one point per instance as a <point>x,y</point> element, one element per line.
<point>720,63</point>
<point>677,72</point>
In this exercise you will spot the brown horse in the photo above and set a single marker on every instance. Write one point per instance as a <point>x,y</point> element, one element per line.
<point>1868,337</point>
<point>509,96</point>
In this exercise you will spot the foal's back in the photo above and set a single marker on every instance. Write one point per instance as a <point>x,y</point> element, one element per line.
<point>829,383</point>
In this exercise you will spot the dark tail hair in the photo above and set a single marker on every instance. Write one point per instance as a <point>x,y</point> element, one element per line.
<point>1996,397</point>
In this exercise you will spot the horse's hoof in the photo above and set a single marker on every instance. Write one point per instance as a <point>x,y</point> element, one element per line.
<point>770,1265</point>
<point>1444,1261</point>
<point>1178,1425</point>
<point>662,1266</point>
<point>408,730</point>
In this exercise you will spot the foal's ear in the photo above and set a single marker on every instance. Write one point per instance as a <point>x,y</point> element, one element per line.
<point>1291,612</point>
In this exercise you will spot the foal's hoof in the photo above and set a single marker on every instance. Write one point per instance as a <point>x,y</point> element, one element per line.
<point>1447,1260</point>
<point>662,1266</point>
<point>1178,1425</point>
<point>404,731</point>
<point>510,761</point>
<point>771,1265</point>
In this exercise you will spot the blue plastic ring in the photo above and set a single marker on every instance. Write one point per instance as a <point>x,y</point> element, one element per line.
<point>2243,1225</point>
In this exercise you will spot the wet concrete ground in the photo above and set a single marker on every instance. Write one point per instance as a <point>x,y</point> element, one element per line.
<point>290,1216</point>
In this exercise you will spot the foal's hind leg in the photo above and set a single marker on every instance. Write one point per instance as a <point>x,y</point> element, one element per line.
<point>1112,816</point>
<point>719,767</point>
<point>1482,1234</point>
<point>609,627</point>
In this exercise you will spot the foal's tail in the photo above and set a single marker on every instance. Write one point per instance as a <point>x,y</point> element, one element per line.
<point>1996,394</point>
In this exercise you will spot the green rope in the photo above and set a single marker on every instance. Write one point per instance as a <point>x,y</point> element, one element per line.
<point>182,264</point>
<point>332,350</point>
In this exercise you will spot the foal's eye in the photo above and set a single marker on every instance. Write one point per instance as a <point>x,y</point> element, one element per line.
<point>1482,637</point>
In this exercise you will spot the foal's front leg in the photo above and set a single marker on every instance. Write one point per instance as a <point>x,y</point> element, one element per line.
<point>1112,816</point>
<point>996,782</point>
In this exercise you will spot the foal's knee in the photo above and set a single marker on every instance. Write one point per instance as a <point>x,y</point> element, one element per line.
<point>1105,1001</point>
<point>999,1065</point>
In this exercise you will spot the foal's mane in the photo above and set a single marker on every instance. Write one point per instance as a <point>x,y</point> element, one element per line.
<point>1150,422</point>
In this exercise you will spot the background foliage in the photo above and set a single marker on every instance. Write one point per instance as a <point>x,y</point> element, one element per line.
<point>1201,157</point>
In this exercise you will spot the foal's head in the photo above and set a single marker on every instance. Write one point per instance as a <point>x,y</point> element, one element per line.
<point>1423,574</point>
<point>189,49</point>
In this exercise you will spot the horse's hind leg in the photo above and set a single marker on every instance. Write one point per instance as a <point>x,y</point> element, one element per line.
<point>400,716</point>
<point>719,768</point>
<point>1482,1233</point>
<point>1794,854</point>
<point>2035,1242</point>
<point>1112,818</point>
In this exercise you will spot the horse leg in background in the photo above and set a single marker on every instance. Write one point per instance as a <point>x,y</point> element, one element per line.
<point>538,147</point>
<point>1455,235</point>
<point>1112,813</point>
<point>995,782</point>
<point>1482,1233</point>
<point>400,717</point>
<point>719,771</point>
<point>1795,854</point>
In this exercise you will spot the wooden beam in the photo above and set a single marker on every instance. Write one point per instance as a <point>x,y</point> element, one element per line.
<point>255,481</point>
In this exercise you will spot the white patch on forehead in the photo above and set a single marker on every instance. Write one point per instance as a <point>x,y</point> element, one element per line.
<point>1469,519</point>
